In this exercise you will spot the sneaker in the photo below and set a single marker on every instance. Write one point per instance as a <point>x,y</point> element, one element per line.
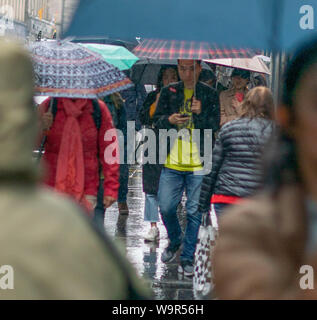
<point>152,235</point>
<point>187,268</point>
<point>169,254</point>
<point>123,208</point>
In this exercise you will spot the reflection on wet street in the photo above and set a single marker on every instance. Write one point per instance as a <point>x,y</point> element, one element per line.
<point>146,257</point>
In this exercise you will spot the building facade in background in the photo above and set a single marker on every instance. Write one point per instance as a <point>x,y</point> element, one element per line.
<point>12,18</point>
<point>30,18</point>
<point>63,11</point>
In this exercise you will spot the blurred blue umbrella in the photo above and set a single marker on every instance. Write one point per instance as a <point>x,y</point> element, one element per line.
<point>262,24</point>
<point>65,69</point>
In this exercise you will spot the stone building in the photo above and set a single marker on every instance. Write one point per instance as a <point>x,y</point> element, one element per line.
<point>63,11</point>
<point>28,18</point>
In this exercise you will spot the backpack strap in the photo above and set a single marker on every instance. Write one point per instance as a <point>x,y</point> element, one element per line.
<point>96,113</point>
<point>54,108</point>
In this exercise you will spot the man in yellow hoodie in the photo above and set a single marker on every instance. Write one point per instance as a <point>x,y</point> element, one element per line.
<point>184,106</point>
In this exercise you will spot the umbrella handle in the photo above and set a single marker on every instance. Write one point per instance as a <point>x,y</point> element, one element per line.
<point>39,157</point>
<point>42,145</point>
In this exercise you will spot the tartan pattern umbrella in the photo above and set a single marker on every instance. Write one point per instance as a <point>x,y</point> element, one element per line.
<point>65,69</point>
<point>172,49</point>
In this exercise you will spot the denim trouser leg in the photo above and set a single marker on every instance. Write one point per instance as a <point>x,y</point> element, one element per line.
<point>171,187</point>
<point>99,216</point>
<point>151,208</point>
<point>123,180</point>
<point>192,187</point>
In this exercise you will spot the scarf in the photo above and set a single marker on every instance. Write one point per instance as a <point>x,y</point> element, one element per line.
<point>239,96</point>
<point>70,172</point>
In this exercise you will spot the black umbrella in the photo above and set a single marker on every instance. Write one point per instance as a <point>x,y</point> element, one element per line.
<point>146,71</point>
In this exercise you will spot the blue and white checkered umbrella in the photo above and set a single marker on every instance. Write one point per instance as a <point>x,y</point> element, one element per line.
<point>65,69</point>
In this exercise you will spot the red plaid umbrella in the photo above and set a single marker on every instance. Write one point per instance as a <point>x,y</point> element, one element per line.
<point>171,49</point>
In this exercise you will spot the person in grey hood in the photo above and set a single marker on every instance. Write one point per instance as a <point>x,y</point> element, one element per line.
<point>49,247</point>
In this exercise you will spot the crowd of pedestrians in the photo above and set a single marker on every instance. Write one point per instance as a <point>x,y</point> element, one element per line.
<point>260,183</point>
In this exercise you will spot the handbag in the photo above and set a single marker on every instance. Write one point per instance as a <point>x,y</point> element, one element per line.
<point>203,277</point>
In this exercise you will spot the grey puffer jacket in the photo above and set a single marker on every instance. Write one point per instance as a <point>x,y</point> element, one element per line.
<point>236,160</point>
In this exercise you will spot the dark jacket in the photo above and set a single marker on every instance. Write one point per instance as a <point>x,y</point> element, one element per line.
<point>172,99</point>
<point>151,172</point>
<point>134,98</point>
<point>144,113</point>
<point>236,160</point>
<point>116,107</point>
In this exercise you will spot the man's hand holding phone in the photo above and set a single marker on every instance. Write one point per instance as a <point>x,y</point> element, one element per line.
<point>177,118</point>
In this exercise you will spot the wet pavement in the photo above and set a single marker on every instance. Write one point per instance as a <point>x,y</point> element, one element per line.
<point>163,278</point>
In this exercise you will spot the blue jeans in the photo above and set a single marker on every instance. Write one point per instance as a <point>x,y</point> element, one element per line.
<point>151,208</point>
<point>171,188</point>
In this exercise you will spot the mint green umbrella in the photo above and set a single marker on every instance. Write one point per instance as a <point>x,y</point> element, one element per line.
<point>118,56</point>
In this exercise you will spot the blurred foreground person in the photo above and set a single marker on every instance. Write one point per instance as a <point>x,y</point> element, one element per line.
<point>54,251</point>
<point>265,241</point>
<point>236,160</point>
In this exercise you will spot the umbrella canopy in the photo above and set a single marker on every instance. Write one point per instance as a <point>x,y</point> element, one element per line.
<point>39,99</point>
<point>261,24</point>
<point>65,69</point>
<point>255,64</point>
<point>164,49</point>
<point>146,71</point>
<point>118,56</point>
<point>130,45</point>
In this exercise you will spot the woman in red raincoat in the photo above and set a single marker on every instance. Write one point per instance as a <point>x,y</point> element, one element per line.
<point>75,148</point>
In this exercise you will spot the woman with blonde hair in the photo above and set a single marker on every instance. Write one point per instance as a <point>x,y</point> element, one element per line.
<point>237,154</point>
